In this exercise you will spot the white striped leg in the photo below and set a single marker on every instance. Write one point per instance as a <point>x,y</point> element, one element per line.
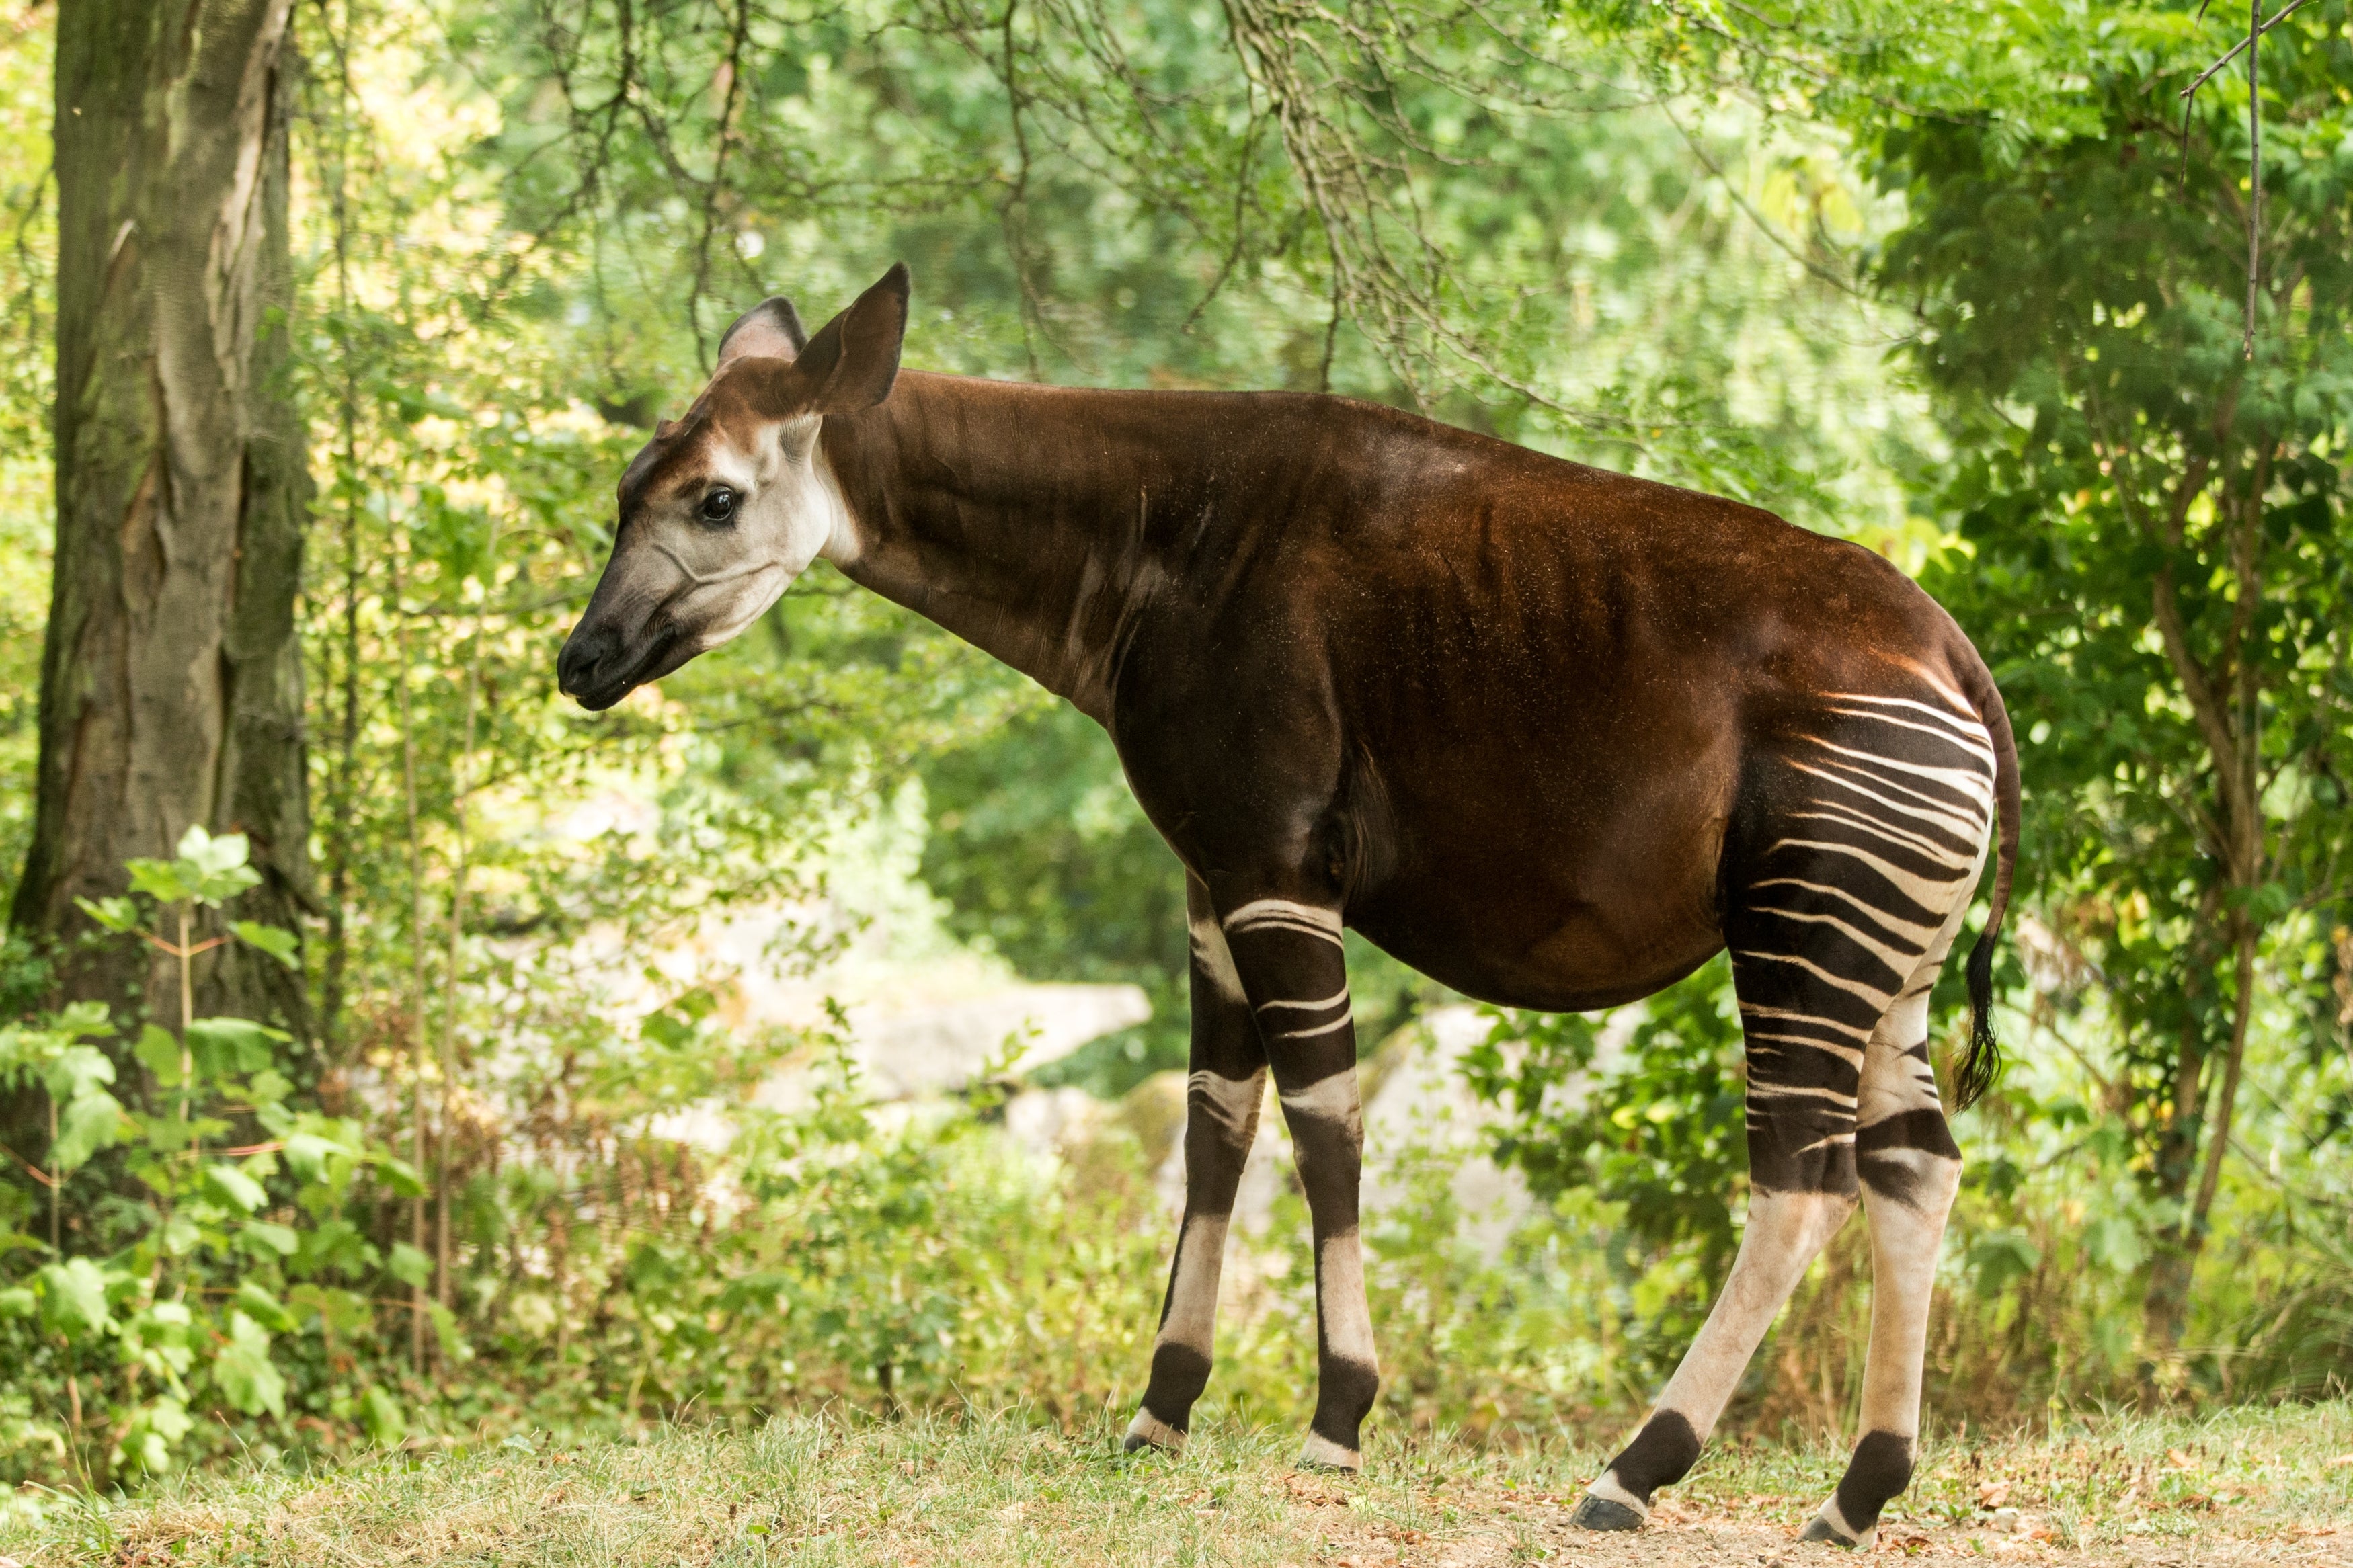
<point>1910,1169</point>
<point>1221,1107</point>
<point>1784,1232</point>
<point>1289,959</point>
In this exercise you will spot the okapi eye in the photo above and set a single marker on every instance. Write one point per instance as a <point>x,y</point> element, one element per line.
<point>719,506</point>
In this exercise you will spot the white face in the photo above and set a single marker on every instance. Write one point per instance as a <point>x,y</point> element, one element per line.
<point>725,526</point>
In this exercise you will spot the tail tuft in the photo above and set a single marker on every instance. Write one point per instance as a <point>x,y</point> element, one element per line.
<point>1982,1063</point>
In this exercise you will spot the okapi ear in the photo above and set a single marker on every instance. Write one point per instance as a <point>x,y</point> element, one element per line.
<point>769,329</point>
<point>854,358</point>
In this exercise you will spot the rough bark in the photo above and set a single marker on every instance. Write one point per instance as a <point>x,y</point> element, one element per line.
<point>171,683</point>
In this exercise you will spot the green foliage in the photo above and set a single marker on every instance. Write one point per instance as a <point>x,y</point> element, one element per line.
<point>169,1305</point>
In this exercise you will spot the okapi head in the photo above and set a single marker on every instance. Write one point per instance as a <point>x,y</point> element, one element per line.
<point>722,509</point>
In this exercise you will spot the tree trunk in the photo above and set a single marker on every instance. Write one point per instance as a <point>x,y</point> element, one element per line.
<point>171,682</point>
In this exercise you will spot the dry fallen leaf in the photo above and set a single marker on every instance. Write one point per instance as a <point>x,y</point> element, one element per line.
<point>1993,1494</point>
<point>2340,1462</point>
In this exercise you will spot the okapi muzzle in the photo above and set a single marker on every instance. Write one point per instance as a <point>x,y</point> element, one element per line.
<point>1551,735</point>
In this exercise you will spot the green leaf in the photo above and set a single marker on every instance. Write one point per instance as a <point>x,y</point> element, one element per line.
<point>78,1070</point>
<point>235,1188</point>
<point>242,1368</point>
<point>409,1266</point>
<point>148,1441</point>
<point>308,1153</point>
<point>379,1413</point>
<point>18,1301</point>
<point>114,915</point>
<point>401,1177</point>
<point>446,1333</point>
<point>159,1050</point>
<point>160,880</point>
<point>214,869</point>
<point>265,1237</point>
<point>258,1303</point>
<point>82,1020</point>
<point>243,1371</point>
<point>73,1298</point>
<point>2114,1243</point>
<point>229,1047</point>
<point>86,1126</point>
<point>275,940</point>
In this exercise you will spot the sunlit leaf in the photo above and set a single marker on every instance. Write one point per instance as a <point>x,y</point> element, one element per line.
<point>90,1123</point>
<point>73,1298</point>
<point>255,1301</point>
<point>277,942</point>
<point>409,1266</point>
<point>235,1188</point>
<point>243,1369</point>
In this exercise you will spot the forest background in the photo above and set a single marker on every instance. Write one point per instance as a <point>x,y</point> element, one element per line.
<point>1968,283</point>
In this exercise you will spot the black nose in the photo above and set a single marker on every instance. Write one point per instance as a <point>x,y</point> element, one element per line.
<point>584,653</point>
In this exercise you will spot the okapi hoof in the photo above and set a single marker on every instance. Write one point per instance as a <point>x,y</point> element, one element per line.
<point>1320,1453</point>
<point>1600,1513</point>
<point>1148,1431</point>
<point>1827,1530</point>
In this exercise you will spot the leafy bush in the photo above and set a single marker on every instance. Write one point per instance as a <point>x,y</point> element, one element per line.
<point>188,1259</point>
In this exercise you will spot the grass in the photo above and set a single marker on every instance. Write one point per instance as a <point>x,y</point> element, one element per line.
<point>996,1491</point>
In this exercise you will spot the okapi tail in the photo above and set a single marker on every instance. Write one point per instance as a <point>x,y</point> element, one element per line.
<point>1983,1064</point>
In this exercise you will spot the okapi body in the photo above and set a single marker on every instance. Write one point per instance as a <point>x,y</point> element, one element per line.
<point>1551,735</point>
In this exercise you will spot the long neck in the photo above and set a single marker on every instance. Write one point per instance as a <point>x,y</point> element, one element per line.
<point>1019,518</point>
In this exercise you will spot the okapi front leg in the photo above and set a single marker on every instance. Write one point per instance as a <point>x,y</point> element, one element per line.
<point>1289,959</point>
<point>1221,1103</point>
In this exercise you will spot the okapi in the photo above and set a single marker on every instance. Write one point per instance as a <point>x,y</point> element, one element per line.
<point>1551,735</point>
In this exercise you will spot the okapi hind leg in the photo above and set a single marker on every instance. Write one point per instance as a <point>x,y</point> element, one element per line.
<point>1871,844</point>
<point>1784,1233</point>
<point>1222,1094</point>
<point>1910,1169</point>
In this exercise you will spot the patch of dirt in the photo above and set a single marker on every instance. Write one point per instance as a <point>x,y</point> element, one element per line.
<point>1538,1531</point>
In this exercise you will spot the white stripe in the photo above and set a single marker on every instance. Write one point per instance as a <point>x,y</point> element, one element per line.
<point>1929,888</point>
<point>1831,811</point>
<point>1960,714</point>
<point>1342,1022</point>
<point>1748,1009</point>
<point>1959,824</point>
<point>1757,1091</point>
<point>1233,1101</point>
<point>1334,1098</point>
<point>1875,774</point>
<point>1965,782</point>
<point>1852,987</point>
<point>1217,960</point>
<point>1978,742</point>
<point>1849,1055</point>
<point>1870,909</point>
<point>1333,1000</point>
<point>1340,1292</point>
<point>1899,959</point>
<point>1261,910</point>
<point>1192,1319</point>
